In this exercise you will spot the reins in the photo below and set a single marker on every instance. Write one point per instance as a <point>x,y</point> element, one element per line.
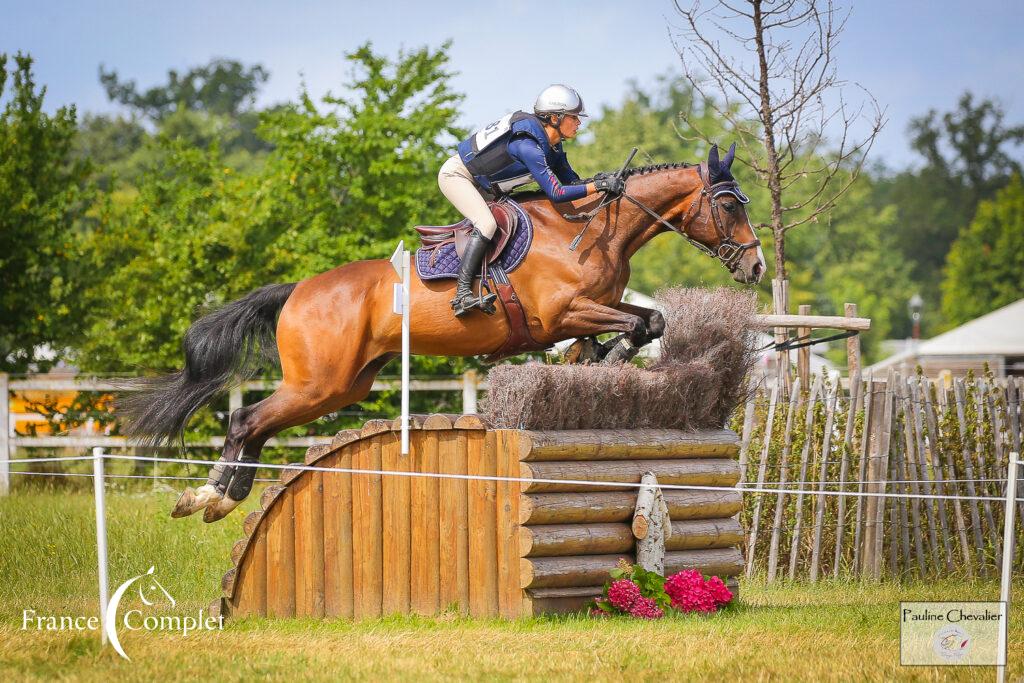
<point>729,252</point>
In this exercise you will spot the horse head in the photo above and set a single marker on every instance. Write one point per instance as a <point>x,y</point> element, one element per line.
<point>721,224</point>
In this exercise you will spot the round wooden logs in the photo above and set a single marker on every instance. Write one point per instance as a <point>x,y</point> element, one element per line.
<point>345,544</point>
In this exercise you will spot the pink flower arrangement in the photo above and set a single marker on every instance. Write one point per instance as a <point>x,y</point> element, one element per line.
<point>690,592</point>
<point>623,593</point>
<point>639,593</point>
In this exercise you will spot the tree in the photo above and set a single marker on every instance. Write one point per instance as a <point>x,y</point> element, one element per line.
<point>967,160</point>
<point>343,182</point>
<point>984,265</point>
<point>223,87</point>
<point>792,90</point>
<point>42,194</point>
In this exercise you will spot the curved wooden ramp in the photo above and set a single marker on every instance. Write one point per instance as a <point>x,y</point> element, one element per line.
<point>364,545</point>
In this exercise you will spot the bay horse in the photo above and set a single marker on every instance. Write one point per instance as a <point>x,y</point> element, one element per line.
<point>336,330</point>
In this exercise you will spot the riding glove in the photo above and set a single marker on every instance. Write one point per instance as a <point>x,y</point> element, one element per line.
<point>612,184</point>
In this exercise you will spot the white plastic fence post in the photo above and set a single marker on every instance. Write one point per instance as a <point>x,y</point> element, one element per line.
<point>101,537</point>
<point>402,263</point>
<point>1004,587</point>
<point>469,392</point>
<point>406,267</point>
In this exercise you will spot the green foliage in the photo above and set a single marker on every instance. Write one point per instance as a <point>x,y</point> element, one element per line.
<point>42,192</point>
<point>984,265</point>
<point>966,161</point>
<point>223,86</point>
<point>342,183</point>
<point>853,257</point>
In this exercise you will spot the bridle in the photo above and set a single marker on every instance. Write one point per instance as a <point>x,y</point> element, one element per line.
<point>728,251</point>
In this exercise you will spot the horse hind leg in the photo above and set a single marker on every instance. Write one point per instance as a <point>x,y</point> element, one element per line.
<point>193,500</point>
<point>285,408</point>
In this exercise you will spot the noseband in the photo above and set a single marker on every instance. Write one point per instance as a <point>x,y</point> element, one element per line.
<point>729,251</point>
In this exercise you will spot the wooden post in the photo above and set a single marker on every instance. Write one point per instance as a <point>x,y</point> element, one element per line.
<point>913,476</point>
<point>780,299</point>
<point>958,404</point>
<point>748,429</point>
<point>872,435</point>
<point>5,435</point>
<point>852,344</point>
<point>826,452</point>
<point>795,403</point>
<point>865,439</point>
<point>882,453</point>
<point>794,548</point>
<point>855,398</point>
<point>651,525</point>
<point>803,354</point>
<point>762,469</point>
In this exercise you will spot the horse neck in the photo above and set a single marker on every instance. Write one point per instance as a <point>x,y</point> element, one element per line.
<point>668,193</point>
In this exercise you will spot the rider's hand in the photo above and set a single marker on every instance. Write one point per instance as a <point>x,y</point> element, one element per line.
<point>610,183</point>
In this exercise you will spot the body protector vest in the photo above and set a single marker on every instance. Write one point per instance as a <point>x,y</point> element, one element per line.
<point>486,155</point>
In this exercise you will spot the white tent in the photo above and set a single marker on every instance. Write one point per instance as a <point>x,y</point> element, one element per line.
<point>996,338</point>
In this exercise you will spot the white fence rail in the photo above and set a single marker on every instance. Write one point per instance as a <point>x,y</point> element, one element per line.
<point>469,384</point>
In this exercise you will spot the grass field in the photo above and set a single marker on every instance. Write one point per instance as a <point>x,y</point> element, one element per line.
<point>829,631</point>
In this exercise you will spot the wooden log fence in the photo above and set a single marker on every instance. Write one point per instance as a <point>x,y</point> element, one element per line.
<point>906,435</point>
<point>365,544</point>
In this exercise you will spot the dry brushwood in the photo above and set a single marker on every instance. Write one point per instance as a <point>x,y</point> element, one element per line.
<point>707,350</point>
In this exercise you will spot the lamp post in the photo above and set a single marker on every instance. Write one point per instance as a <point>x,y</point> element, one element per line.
<point>914,306</point>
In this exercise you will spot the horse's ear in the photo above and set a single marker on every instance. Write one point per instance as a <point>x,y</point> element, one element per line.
<point>730,156</point>
<point>713,163</point>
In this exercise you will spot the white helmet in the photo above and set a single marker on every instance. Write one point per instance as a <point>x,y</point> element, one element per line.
<point>559,99</point>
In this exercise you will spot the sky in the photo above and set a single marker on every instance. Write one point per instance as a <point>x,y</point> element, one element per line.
<point>912,55</point>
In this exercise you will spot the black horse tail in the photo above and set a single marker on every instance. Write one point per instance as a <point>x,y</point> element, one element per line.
<point>223,348</point>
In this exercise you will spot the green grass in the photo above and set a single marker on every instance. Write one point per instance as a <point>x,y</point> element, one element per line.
<point>830,631</point>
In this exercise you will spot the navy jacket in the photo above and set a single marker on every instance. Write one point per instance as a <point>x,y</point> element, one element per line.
<point>514,151</point>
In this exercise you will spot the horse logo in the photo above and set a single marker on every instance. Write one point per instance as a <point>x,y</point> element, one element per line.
<point>150,592</point>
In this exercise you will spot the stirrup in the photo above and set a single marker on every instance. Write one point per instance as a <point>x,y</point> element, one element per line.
<point>465,304</point>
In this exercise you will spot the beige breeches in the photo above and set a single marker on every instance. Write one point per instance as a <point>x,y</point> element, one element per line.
<point>458,187</point>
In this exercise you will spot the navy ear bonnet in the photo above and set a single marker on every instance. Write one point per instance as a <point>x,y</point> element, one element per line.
<point>720,175</point>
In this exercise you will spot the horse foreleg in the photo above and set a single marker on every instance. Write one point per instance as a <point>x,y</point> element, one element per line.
<point>587,317</point>
<point>654,320</point>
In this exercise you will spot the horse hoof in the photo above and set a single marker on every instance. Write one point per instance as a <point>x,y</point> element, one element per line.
<point>191,500</point>
<point>220,509</point>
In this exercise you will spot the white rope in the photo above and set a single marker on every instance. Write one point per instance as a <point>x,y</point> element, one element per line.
<point>122,476</point>
<point>573,482</point>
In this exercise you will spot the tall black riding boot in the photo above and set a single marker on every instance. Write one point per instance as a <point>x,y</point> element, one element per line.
<point>465,299</point>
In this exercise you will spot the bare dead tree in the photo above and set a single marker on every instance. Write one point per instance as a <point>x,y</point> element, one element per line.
<point>783,98</point>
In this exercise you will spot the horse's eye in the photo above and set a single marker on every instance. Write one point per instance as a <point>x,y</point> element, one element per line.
<point>730,207</point>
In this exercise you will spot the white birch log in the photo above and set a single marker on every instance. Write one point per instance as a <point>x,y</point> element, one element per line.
<point>651,525</point>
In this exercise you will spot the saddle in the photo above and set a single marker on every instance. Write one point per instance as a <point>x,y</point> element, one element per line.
<point>435,236</point>
<point>442,247</point>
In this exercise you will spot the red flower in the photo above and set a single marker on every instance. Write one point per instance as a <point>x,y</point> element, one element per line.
<point>646,608</point>
<point>689,592</point>
<point>623,593</point>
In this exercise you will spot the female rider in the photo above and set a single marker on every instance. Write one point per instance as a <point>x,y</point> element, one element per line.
<point>514,151</point>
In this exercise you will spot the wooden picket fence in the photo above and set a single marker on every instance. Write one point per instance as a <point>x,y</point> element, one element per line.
<point>905,435</point>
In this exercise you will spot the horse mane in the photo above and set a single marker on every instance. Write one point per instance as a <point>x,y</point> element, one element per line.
<point>531,195</point>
